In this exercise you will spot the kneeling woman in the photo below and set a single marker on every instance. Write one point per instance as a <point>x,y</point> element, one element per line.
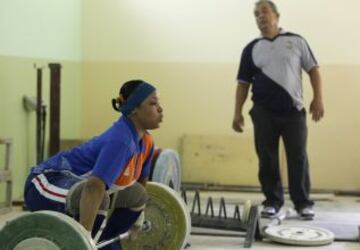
<point>80,181</point>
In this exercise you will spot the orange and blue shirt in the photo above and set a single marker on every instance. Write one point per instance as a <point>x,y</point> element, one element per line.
<point>117,156</point>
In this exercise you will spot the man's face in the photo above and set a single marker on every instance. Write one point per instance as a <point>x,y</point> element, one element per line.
<point>265,16</point>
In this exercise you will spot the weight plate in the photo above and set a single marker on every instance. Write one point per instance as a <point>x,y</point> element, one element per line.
<point>167,169</point>
<point>42,229</point>
<point>169,218</point>
<point>36,244</point>
<point>299,235</point>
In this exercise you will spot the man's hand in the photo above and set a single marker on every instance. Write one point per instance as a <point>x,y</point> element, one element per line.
<point>238,123</point>
<point>316,109</point>
<point>316,106</point>
<point>242,90</point>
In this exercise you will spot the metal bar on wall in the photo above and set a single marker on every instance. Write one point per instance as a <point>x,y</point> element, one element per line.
<point>55,70</point>
<point>38,114</point>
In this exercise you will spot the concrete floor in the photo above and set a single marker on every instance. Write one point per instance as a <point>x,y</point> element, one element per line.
<point>329,208</point>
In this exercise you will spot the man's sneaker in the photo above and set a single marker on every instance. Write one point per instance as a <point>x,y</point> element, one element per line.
<point>268,212</point>
<point>306,213</point>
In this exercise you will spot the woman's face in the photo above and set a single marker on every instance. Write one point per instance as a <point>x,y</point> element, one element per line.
<point>149,113</point>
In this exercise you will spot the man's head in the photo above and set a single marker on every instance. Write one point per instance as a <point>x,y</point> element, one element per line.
<point>267,15</point>
<point>139,101</point>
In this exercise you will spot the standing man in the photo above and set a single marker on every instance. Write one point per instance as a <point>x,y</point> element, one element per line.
<point>273,64</point>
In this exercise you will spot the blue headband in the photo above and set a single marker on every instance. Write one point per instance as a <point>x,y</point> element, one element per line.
<point>136,98</point>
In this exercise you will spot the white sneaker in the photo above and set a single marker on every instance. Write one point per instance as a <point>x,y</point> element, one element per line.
<point>268,212</point>
<point>306,213</point>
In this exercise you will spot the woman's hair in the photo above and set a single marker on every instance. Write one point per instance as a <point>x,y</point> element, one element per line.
<point>131,94</point>
<point>125,91</point>
<point>129,87</point>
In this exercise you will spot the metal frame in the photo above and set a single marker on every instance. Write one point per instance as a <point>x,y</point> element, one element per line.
<point>248,229</point>
<point>5,176</point>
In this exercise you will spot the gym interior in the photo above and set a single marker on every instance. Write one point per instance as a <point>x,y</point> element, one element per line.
<point>80,52</point>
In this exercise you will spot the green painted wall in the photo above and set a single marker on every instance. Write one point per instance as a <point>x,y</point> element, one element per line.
<point>37,32</point>
<point>18,78</point>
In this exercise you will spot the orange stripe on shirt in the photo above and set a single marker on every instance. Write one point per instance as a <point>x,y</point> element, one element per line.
<point>133,168</point>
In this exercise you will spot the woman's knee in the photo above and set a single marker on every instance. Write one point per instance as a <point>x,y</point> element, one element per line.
<point>134,197</point>
<point>73,199</point>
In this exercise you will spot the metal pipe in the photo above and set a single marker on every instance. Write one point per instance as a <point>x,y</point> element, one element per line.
<point>146,227</point>
<point>38,115</point>
<point>55,69</point>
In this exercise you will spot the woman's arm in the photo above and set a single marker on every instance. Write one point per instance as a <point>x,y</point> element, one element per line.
<point>91,198</point>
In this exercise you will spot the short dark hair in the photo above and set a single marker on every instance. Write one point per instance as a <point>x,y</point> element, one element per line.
<point>271,3</point>
<point>128,87</point>
<point>125,91</point>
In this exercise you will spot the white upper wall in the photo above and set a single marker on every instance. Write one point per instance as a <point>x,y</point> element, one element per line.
<point>41,28</point>
<point>211,30</point>
<point>169,30</point>
<point>330,27</point>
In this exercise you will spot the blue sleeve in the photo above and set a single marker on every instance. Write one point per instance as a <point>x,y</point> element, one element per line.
<point>145,172</point>
<point>112,159</point>
<point>247,68</point>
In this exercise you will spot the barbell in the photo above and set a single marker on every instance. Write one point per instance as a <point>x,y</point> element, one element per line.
<point>44,239</point>
<point>166,212</point>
